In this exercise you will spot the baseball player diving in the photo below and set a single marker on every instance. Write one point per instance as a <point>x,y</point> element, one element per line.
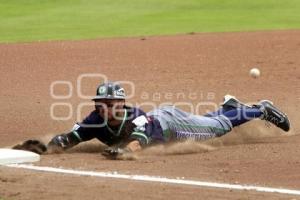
<point>129,129</point>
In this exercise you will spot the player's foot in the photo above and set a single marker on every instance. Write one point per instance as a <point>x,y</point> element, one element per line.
<point>232,102</point>
<point>274,115</point>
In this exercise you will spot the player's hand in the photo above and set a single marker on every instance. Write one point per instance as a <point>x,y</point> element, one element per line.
<point>115,152</point>
<point>35,146</point>
<point>134,146</point>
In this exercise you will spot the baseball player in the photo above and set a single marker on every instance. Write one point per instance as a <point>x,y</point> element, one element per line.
<point>111,122</point>
<point>169,123</point>
<point>125,129</point>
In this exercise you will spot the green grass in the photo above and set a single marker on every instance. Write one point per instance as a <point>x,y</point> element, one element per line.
<point>33,20</point>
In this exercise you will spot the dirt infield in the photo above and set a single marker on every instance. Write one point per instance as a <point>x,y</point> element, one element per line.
<point>163,69</point>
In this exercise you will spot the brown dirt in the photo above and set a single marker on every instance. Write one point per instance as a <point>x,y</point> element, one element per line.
<point>201,63</point>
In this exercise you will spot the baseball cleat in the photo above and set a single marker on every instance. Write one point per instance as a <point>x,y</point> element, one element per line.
<point>274,115</point>
<point>232,102</point>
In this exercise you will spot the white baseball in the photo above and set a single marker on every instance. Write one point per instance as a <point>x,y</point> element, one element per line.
<point>254,72</point>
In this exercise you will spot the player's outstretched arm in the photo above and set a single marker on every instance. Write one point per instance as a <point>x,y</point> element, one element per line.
<point>57,144</point>
<point>62,142</point>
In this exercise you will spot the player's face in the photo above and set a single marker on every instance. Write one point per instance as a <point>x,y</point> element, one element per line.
<point>110,109</point>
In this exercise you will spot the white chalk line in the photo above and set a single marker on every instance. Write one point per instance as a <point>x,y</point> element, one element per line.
<point>157,179</point>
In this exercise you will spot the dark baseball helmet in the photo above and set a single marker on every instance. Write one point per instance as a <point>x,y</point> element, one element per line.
<point>109,90</point>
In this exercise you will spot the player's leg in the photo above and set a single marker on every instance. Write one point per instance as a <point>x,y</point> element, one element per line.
<point>239,116</point>
<point>264,110</point>
<point>239,113</point>
<point>230,102</point>
<point>179,125</point>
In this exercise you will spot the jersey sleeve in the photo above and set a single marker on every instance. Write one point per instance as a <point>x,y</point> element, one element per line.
<point>139,133</point>
<point>148,132</point>
<point>141,137</point>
